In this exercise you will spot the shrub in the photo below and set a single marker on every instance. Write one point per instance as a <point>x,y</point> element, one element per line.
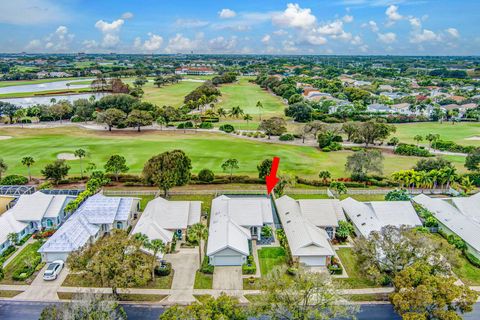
<point>228,128</point>
<point>14,180</point>
<point>206,267</point>
<point>431,222</point>
<point>344,230</point>
<point>457,241</point>
<point>163,270</point>
<point>185,125</point>
<point>452,147</point>
<point>206,175</point>
<point>76,118</point>
<point>335,269</point>
<point>27,269</point>
<point>206,125</point>
<point>411,150</point>
<point>287,137</point>
<point>266,232</point>
<point>473,260</point>
<point>249,267</point>
<point>334,146</point>
<point>397,195</point>
<point>292,271</point>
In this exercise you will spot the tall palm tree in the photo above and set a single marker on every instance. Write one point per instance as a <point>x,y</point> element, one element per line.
<point>450,175</point>
<point>221,112</point>
<point>80,153</point>
<point>198,232</point>
<point>28,162</point>
<point>247,118</point>
<point>259,107</point>
<point>155,246</point>
<point>236,112</point>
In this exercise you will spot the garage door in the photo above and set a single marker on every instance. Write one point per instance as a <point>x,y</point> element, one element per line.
<point>228,260</point>
<point>314,261</point>
<point>49,257</point>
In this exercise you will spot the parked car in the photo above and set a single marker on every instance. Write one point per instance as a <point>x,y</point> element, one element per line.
<point>53,270</point>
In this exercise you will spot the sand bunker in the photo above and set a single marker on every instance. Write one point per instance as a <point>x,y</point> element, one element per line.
<point>471,138</point>
<point>5,137</point>
<point>66,156</point>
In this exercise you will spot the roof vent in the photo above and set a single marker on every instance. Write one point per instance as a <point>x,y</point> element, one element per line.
<point>363,224</point>
<point>288,221</point>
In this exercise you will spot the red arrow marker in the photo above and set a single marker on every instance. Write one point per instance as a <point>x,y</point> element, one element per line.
<point>272,179</point>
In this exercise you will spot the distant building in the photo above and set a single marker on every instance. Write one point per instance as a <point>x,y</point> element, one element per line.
<point>194,71</point>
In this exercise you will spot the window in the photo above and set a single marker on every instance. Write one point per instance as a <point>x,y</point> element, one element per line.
<point>119,225</point>
<point>49,223</point>
<point>330,232</point>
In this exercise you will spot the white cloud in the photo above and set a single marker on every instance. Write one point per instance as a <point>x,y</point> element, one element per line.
<point>332,28</point>
<point>33,45</point>
<point>280,32</point>
<point>127,15</point>
<point>58,41</point>
<point>388,37</point>
<point>90,44</point>
<point>347,18</point>
<point>266,38</point>
<point>424,36</point>
<point>295,17</point>
<point>289,46</point>
<point>316,39</point>
<point>152,44</point>
<point>226,13</point>
<point>110,32</point>
<point>191,23</point>
<point>221,44</point>
<point>180,43</point>
<point>393,15</point>
<point>372,25</point>
<point>415,22</point>
<point>356,41</point>
<point>31,12</point>
<point>453,32</point>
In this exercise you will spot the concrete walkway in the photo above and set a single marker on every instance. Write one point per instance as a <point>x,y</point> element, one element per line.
<point>257,262</point>
<point>227,278</point>
<point>16,253</point>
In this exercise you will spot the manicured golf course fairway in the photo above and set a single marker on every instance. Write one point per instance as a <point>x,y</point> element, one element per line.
<point>206,150</point>
<point>459,132</point>
<point>169,95</point>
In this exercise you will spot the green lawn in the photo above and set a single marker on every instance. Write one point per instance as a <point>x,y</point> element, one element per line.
<point>364,197</point>
<point>206,150</point>
<point>170,95</point>
<point>458,133</point>
<point>44,93</point>
<point>206,200</point>
<point>78,280</point>
<point>355,278</point>
<point>26,254</point>
<point>202,297</point>
<point>246,95</point>
<point>270,257</point>
<point>11,83</point>
<point>203,281</point>
<point>9,293</point>
<point>468,273</point>
<point>307,196</point>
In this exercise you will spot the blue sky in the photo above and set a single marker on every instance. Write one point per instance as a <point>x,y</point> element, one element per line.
<point>412,27</point>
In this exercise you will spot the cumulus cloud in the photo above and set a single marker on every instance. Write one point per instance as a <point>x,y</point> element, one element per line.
<point>191,23</point>
<point>226,13</point>
<point>372,25</point>
<point>424,36</point>
<point>127,15</point>
<point>332,28</point>
<point>280,32</point>
<point>453,32</point>
<point>152,44</point>
<point>58,41</point>
<point>295,17</point>
<point>180,43</point>
<point>221,44</point>
<point>289,46</point>
<point>110,32</point>
<point>393,15</point>
<point>266,38</point>
<point>388,37</point>
<point>415,22</point>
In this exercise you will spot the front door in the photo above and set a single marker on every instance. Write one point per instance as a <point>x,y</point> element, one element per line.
<point>254,232</point>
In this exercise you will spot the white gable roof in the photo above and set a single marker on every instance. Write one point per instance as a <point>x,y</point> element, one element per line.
<point>34,207</point>
<point>304,238</point>
<point>469,206</point>
<point>322,212</point>
<point>9,224</point>
<point>99,209</point>
<point>460,223</point>
<point>373,216</point>
<point>225,233</point>
<point>172,214</point>
<point>245,211</point>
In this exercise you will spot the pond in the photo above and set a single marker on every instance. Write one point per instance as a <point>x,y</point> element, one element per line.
<point>31,101</point>
<point>54,85</point>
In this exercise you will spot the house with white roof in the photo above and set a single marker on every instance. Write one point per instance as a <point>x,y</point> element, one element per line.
<point>459,216</point>
<point>97,216</point>
<point>322,213</point>
<point>234,221</point>
<point>373,216</point>
<point>308,243</point>
<point>31,213</point>
<point>162,219</point>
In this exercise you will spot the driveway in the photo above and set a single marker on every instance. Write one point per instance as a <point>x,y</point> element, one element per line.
<point>41,290</point>
<point>185,264</point>
<point>228,278</point>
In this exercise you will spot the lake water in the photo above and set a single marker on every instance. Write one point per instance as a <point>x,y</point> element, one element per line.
<point>31,101</point>
<point>54,85</point>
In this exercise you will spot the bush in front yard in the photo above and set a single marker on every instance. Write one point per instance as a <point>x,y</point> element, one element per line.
<point>473,260</point>
<point>164,270</point>
<point>206,267</point>
<point>27,269</point>
<point>249,267</point>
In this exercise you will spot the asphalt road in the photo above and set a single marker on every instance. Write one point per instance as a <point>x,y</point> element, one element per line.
<point>26,310</point>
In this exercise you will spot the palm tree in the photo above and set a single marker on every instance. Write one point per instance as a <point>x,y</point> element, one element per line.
<point>28,162</point>
<point>230,164</point>
<point>467,185</point>
<point>221,112</point>
<point>236,112</point>
<point>324,175</point>
<point>155,246</point>
<point>247,118</point>
<point>418,138</point>
<point>198,232</point>
<point>449,174</point>
<point>259,107</point>
<point>80,153</point>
